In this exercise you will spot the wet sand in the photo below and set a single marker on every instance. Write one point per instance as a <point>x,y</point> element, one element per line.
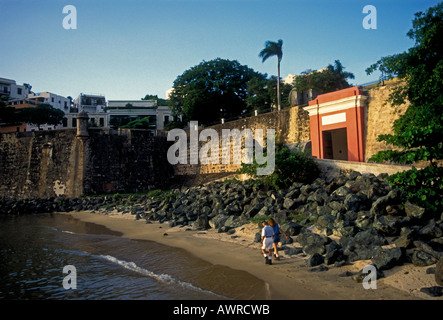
<point>288,278</point>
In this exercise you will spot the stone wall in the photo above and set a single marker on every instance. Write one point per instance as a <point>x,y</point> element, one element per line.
<point>48,164</point>
<point>378,118</point>
<point>291,127</point>
<point>39,164</point>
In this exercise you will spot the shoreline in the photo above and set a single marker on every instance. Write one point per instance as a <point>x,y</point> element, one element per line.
<point>287,279</point>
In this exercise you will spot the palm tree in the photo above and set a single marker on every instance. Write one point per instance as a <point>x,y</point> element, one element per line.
<point>274,49</point>
<point>342,75</point>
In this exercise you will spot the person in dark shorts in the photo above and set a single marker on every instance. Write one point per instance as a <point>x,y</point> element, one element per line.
<point>277,230</point>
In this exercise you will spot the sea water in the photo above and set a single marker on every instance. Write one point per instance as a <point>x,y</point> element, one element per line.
<point>35,249</point>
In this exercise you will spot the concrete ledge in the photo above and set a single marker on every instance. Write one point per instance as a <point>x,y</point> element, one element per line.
<point>333,168</point>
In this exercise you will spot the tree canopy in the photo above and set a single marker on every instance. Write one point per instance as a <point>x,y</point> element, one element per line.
<point>274,49</point>
<point>41,114</point>
<point>332,78</point>
<point>212,90</point>
<point>418,133</point>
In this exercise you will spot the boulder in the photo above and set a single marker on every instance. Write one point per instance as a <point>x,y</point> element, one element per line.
<point>434,291</point>
<point>201,223</point>
<point>314,260</point>
<point>387,225</point>
<point>291,228</point>
<point>313,243</point>
<point>439,272</point>
<point>364,245</point>
<point>387,258</point>
<point>422,259</point>
<point>413,210</point>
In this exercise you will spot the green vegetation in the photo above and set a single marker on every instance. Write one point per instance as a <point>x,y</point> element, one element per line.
<point>41,114</point>
<point>211,90</point>
<point>143,123</point>
<point>274,49</point>
<point>290,167</point>
<point>418,133</point>
<point>330,79</point>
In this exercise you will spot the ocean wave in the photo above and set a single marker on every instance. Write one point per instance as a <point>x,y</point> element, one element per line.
<point>69,232</point>
<point>163,278</point>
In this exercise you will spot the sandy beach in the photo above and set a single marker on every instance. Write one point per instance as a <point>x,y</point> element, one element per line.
<point>288,278</point>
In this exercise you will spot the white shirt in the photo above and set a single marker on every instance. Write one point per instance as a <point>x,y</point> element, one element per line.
<point>267,231</point>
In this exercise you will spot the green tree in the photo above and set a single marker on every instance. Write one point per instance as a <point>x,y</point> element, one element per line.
<point>274,49</point>
<point>211,90</point>
<point>418,133</point>
<point>143,123</point>
<point>41,114</point>
<point>290,166</point>
<point>332,78</point>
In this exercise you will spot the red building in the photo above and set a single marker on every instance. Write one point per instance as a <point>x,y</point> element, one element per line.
<point>336,125</point>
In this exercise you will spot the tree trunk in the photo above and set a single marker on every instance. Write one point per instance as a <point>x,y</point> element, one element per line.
<point>278,86</point>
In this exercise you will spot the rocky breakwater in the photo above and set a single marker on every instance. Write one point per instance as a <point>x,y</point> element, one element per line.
<point>352,217</point>
<point>349,218</point>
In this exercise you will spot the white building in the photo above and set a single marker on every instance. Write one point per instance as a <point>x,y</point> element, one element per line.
<point>128,110</point>
<point>55,100</point>
<point>90,103</point>
<point>12,90</point>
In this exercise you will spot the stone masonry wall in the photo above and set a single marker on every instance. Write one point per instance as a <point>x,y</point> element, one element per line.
<point>46,164</point>
<point>379,117</point>
<point>291,127</point>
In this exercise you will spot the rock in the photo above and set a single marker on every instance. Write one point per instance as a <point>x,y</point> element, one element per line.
<point>422,259</point>
<point>325,222</point>
<point>364,245</point>
<point>439,272</point>
<point>257,237</point>
<point>387,225</point>
<point>201,223</point>
<point>334,253</point>
<point>281,216</point>
<point>313,243</point>
<point>360,276</point>
<point>346,274</point>
<point>431,230</point>
<point>218,221</point>
<point>430,247</point>
<point>314,260</point>
<point>289,204</point>
<point>352,202</point>
<point>406,238</point>
<point>379,206</point>
<point>293,251</point>
<point>387,258</point>
<point>320,268</point>
<point>433,291</point>
<point>291,228</point>
<point>413,210</point>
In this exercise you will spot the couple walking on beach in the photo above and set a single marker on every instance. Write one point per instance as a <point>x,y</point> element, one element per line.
<point>270,236</point>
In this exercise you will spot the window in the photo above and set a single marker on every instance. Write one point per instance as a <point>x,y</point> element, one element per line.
<point>102,122</point>
<point>19,91</point>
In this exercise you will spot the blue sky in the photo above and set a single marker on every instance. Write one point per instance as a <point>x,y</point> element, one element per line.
<point>126,49</point>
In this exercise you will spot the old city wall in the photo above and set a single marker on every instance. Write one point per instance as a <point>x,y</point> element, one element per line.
<point>378,118</point>
<point>48,164</point>
<point>292,127</point>
<point>52,163</point>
